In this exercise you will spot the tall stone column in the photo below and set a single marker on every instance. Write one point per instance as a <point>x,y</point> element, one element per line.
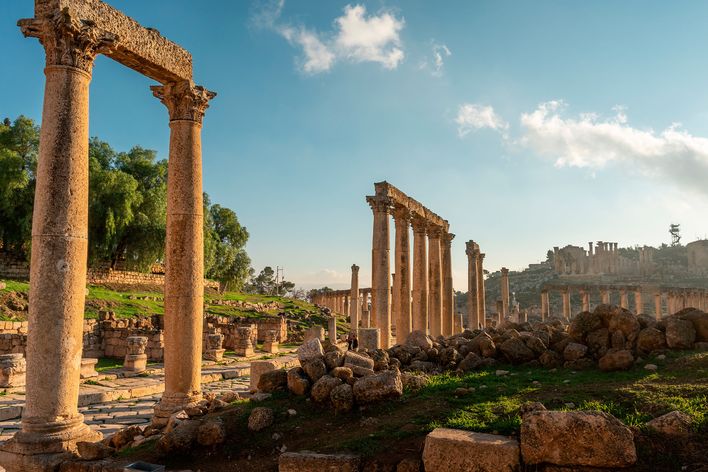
<point>381,269</point>
<point>473,320</point>
<point>566,303</point>
<point>420,276</point>
<point>585,297</point>
<point>481,296</point>
<point>435,281</point>
<point>638,302</point>
<point>448,306</point>
<point>657,305</point>
<point>402,285</point>
<point>354,307</point>
<point>51,422</point>
<point>505,292</point>
<point>184,251</point>
<point>624,299</point>
<point>544,305</point>
<point>605,296</point>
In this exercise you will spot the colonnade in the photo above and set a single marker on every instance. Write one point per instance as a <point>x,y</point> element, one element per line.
<point>666,300</point>
<point>421,299</point>
<point>476,302</point>
<point>73,34</point>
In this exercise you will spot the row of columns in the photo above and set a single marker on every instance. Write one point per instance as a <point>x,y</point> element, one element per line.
<point>422,299</point>
<point>674,299</point>
<point>476,303</point>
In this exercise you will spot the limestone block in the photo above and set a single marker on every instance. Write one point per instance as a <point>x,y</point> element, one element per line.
<point>563,437</point>
<point>258,368</point>
<point>369,338</point>
<point>13,368</point>
<point>453,450</point>
<point>316,332</point>
<point>305,460</point>
<point>88,367</point>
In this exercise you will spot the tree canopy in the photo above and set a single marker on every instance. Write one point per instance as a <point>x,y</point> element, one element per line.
<point>127,208</point>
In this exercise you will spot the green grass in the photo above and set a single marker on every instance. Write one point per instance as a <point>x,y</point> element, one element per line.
<point>107,363</point>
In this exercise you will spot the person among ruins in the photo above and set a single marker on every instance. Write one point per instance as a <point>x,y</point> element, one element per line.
<point>352,341</point>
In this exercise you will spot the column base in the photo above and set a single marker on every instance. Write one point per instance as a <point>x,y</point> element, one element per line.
<point>41,447</point>
<point>172,403</point>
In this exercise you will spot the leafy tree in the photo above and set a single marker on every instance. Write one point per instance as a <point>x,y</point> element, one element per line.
<point>265,284</point>
<point>224,241</point>
<point>19,147</point>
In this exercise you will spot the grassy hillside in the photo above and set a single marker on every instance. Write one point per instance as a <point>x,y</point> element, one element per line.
<point>126,304</point>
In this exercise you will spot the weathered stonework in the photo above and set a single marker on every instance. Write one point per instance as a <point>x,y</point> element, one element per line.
<point>214,350</point>
<point>136,359</point>
<point>244,345</point>
<point>13,369</point>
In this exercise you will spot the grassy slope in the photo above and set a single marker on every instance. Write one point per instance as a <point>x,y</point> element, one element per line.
<point>392,430</point>
<point>121,303</point>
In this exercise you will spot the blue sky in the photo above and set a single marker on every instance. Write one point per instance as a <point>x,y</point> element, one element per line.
<point>525,124</point>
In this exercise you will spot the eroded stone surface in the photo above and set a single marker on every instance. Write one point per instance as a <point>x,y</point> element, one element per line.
<point>453,450</point>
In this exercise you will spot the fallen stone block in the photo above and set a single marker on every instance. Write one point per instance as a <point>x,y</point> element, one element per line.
<point>305,460</point>
<point>454,450</point>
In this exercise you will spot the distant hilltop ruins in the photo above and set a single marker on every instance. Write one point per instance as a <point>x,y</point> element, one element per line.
<point>607,259</point>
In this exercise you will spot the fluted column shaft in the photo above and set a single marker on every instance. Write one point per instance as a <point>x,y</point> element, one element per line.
<point>638,302</point>
<point>448,295</point>
<point>420,277</point>
<point>51,422</point>
<point>481,295</point>
<point>184,250</point>
<point>544,305</point>
<point>505,292</point>
<point>435,282</point>
<point>566,303</point>
<point>402,282</point>
<point>381,270</point>
<point>473,319</point>
<point>354,307</point>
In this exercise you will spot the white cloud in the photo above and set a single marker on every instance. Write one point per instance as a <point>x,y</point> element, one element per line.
<point>356,37</point>
<point>472,117</point>
<point>374,39</point>
<point>437,64</point>
<point>591,141</point>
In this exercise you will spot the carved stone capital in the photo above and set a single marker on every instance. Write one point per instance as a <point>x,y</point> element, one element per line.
<point>69,41</point>
<point>435,232</point>
<point>355,268</point>
<point>419,225</point>
<point>471,249</point>
<point>184,100</point>
<point>447,238</point>
<point>379,204</point>
<point>401,214</point>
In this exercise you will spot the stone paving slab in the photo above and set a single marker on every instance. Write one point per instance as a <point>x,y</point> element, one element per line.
<point>113,390</point>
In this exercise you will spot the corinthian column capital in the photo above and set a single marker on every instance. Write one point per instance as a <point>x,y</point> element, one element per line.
<point>379,204</point>
<point>184,100</point>
<point>69,41</point>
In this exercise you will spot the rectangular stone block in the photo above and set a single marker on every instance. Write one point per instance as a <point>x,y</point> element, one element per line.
<point>302,461</point>
<point>259,368</point>
<point>454,450</point>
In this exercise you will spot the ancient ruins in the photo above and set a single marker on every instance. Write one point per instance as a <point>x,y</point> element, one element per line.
<point>426,362</point>
<point>73,33</point>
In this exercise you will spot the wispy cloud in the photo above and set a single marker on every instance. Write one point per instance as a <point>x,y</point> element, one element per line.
<point>356,37</point>
<point>593,141</point>
<point>472,117</point>
<point>436,63</point>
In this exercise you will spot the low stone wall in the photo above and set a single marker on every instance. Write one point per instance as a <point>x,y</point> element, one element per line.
<point>108,336</point>
<point>12,268</point>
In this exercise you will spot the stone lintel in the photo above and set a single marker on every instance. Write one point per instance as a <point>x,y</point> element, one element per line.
<point>142,49</point>
<point>384,189</point>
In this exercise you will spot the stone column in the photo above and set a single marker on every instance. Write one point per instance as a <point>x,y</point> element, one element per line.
<point>380,269</point>
<point>481,296</point>
<point>184,251</point>
<point>624,299</point>
<point>585,297</point>
<point>448,295</point>
<point>51,422</point>
<point>420,276</point>
<point>473,320</point>
<point>402,281</point>
<point>566,303</point>
<point>638,302</point>
<point>657,305</point>
<point>505,292</point>
<point>332,330</point>
<point>605,296</point>
<point>544,305</point>
<point>354,307</point>
<point>435,281</point>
